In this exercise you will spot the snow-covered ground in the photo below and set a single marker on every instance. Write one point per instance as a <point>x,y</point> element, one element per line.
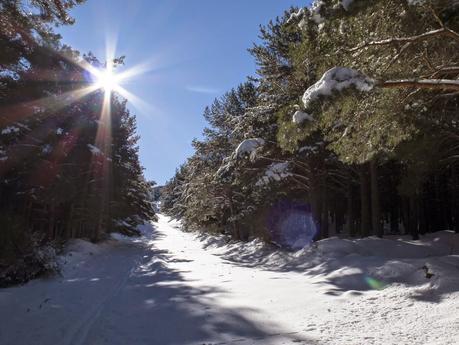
<point>172,287</point>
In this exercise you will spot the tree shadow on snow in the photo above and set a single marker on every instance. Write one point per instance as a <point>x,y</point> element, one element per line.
<point>352,272</point>
<point>160,307</point>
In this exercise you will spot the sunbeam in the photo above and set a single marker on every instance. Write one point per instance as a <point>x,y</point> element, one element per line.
<point>17,112</point>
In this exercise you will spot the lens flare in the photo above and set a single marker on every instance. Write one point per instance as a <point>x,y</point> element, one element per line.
<point>374,283</point>
<point>292,224</point>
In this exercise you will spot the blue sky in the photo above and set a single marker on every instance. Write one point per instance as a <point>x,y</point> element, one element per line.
<point>196,50</point>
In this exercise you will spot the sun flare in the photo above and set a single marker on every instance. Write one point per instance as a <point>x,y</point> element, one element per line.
<point>107,80</point>
<point>111,77</point>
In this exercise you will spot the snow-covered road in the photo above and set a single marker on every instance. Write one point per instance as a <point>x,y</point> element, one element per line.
<point>167,289</point>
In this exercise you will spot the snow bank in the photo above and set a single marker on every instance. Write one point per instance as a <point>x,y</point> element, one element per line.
<point>337,79</point>
<point>76,253</point>
<point>341,265</point>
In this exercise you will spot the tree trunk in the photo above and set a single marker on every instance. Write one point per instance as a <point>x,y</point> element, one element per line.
<point>455,197</point>
<point>422,218</point>
<point>394,217</point>
<point>365,223</point>
<point>375,201</point>
<point>350,221</point>
<point>339,217</point>
<point>413,218</point>
<point>51,221</point>
<point>324,214</point>
<point>316,208</point>
<point>236,234</point>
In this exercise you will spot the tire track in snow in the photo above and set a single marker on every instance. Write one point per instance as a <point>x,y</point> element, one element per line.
<point>80,333</point>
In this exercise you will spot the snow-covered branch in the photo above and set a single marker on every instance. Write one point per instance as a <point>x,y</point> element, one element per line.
<point>340,78</point>
<point>248,146</point>
<point>394,40</point>
<point>337,79</point>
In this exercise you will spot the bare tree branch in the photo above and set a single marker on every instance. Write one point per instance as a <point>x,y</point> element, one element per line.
<point>446,70</point>
<point>397,56</point>
<point>437,84</point>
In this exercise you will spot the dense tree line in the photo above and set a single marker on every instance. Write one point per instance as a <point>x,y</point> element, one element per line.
<point>352,118</point>
<point>68,166</point>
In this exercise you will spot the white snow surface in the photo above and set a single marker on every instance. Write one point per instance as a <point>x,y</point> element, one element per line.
<point>337,79</point>
<point>171,287</point>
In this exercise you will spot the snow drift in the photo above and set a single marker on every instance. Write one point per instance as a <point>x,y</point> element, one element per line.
<point>340,265</point>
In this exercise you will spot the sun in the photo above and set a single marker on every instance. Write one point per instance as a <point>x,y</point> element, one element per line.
<point>106,80</point>
<point>110,77</point>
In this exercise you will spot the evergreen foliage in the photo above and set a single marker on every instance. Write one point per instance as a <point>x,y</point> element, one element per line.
<point>374,151</point>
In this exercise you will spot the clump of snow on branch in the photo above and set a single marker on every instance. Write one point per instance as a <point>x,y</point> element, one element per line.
<point>300,116</point>
<point>225,168</point>
<point>337,79</point>
<point>248,147</point>
<point>3,155</point>
<point>46,149</point>
<point>308,149</point>
<point>296,16</point>
<point>346,4</point>
<point>274,172</point>
<point>316,13</point>
<point>316,8</point>
<point>94,150</point>
<point>10,129</point>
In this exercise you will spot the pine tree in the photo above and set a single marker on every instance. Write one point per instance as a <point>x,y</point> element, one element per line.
<point>68,168</point>
<point>345,99</point>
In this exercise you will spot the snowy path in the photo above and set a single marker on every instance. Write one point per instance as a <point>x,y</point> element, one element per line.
<point>167,289</point>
